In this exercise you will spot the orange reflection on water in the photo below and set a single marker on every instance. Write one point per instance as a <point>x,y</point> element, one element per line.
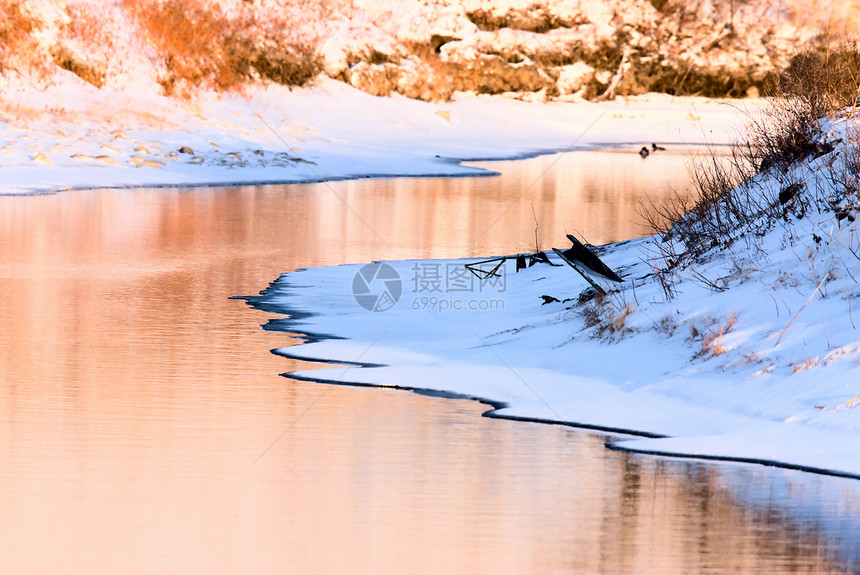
<point>144,427</point>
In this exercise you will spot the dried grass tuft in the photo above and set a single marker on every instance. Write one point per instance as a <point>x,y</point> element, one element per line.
<point>607,319</point>
<point>200,46</point>
<point>711,335</point>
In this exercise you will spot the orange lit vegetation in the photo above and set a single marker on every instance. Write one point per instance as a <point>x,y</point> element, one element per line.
<point>804,364</point>
<point>200,45</point>
<point>711,334</point>
<point>85,27</point>
<point>16,42</point>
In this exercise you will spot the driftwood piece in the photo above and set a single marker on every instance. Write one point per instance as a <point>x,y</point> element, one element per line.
<point>482,273</point>
<point>581,271</point>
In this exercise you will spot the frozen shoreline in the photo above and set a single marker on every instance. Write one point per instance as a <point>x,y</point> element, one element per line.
<point>330,132</point>
<point>497,408</point>
<point>752,360</point>
<point>349,342</point>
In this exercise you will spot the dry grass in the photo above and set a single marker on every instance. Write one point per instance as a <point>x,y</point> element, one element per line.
<point>16,42</point>
<point>711,334</point>
<point>201,46</point>
<point>87,43</point>
<point>804,364</point>
<point>607,319</point>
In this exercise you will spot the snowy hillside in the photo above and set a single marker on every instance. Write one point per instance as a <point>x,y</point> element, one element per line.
<point>142,92</point>
<point>428,50</point>
<point>734,334</point>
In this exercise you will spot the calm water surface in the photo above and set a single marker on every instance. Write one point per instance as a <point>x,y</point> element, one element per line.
<point>135,398</point>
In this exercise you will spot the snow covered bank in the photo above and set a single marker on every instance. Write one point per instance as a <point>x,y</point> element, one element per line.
<point>754,358</point>
<point>71,135</point>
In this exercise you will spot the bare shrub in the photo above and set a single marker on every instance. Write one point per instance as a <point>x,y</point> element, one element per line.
<point>720,208</point>
<point>723,208</point>
<point>781,134</point>
<point>292,66</point>
<point>817,82</point>
<point>667,326</point>
<point>845,175</point>
<point>729,202</point>
<point>201,46</point>
<point>826,79</point>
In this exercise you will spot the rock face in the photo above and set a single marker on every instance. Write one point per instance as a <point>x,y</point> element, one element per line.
<point>550,49</point>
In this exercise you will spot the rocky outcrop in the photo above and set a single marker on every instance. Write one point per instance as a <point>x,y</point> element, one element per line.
<point>565,50</point>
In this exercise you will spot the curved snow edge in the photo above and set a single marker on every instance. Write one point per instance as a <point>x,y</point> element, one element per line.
<point>497,406</point>
<point>619,446</point>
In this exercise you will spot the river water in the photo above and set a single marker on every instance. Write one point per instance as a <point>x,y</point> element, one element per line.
<point>144,426</point>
